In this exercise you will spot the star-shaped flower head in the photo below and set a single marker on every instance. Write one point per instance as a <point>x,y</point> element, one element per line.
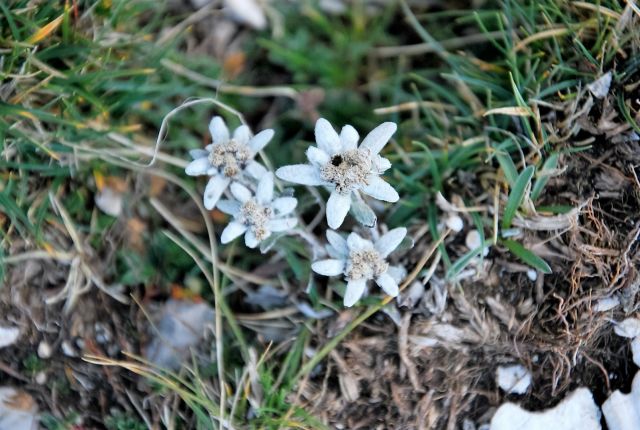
<point>360,260</point>
<point>344,167</point>
<point>257,216</point>
<point>227,158</point>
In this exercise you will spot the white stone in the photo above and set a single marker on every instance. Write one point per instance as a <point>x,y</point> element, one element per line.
<point>68,349</point>
<point>514,379</point>
<point>18,410</point>
<point>628,328</point>
<point>41,378</point>
<point>473,240</point>
<point>455,223</point>
<point>44,350</point>
<point>532,275</point>
<point>600,87</point>
<point>8,336</point>
<point>576,411</point>
<point>109,201</point>
<point>635,350</point>
<point>606,304</point>
<point>181,326</point>
<point>622,411</point>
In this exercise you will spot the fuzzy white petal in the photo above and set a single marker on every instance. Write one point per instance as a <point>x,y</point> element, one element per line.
<point>379,189</point>
<point>357,243</point>
<point>250,239</point>
<point>198,153</point>
<point>329,267</point>
<point>304,174</point>
<point>317,156</point>
<point>219,131</point>
<point>260,140</point>
<point>381,164</point>
<point>230,207</point>
<point>338,242</point>
<point>198,167</point>
<point>390,241</point>
<point>242,134</point>
<point>255,169</point>
<point>282,224</point>
<point>214,189</point>
<point>240,192</point>
<point>231,231</point>
<point>378,137</point>
<point>264,193</point>
<point>333,253</point>
<point>355,290</point>
<point>349,138</point>
<point>388,284</point>
<point>398,273</point>
<point>326,137</point>
<point>337,207</point>
<point>284,205</point>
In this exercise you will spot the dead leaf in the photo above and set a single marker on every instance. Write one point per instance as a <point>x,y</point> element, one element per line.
<point>234,64</point>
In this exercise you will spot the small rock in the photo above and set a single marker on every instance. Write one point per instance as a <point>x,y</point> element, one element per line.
<point>628,328</point>
<point>18,410</point>
<point>41,378</point>
<point>44,350</point>
<point>600,87</point>
<point>606,304</point>
<point>68,350</point>
<point>576,411</point>
<point>635,351</point>
<point>514,379</point>
<point>181,326</point>
<point>103,334</point>
<point>109,201</point>
<point>473,239</point>
<point>622,411</point>
<point>248,12</point>
<point>8,336</point>
<point>532,275</point>
<point>455,223</point>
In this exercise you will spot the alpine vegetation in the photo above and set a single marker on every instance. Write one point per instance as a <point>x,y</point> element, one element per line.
<point>346,169</point>
<point>257,217</point>
<point>228,159</point>
<point>360,260</point>
<point>337,163</point>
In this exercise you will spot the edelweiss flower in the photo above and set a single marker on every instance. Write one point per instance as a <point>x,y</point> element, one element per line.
<point>360,260</point>
<point>338,163</point>
<point>257,216</point>
<point>227,159</point>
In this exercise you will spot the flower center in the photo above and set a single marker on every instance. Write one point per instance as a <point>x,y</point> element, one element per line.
<point>230,158</point>
<point>347,170</point>
<point>367,264</point>
<point>256,217</point>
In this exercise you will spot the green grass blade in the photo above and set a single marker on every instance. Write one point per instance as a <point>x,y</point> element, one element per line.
<point>550,164</point>
<point>516,195</point>
<point>508,167</point>
<point>527,256</point>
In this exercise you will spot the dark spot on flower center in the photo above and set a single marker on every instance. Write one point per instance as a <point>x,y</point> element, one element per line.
<point>336,160</point>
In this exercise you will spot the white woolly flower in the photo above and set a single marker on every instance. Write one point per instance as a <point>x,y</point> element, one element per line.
<point>345,168</point>
<point>257,216</point>
<point>227,158</point>
<point>360,260</point>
